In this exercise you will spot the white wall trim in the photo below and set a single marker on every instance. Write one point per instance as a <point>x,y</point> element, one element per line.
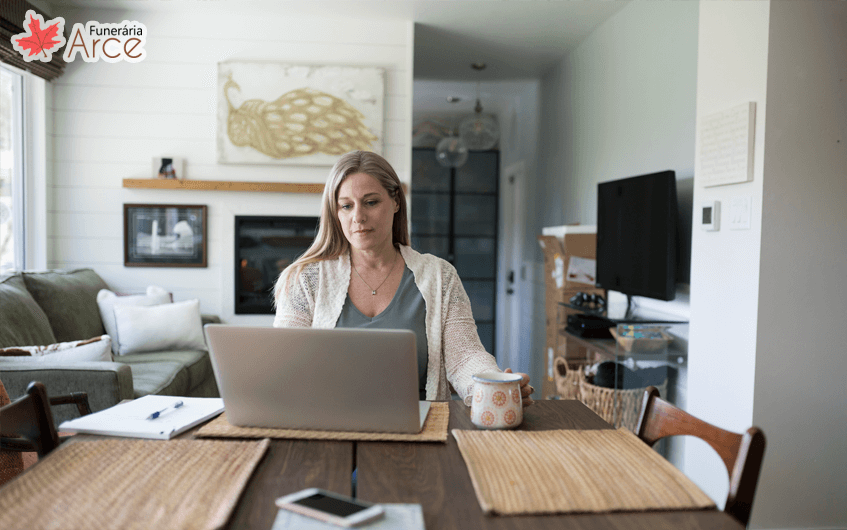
<point>34,167</point>
<point>35,172</point>
<point>512,221</point>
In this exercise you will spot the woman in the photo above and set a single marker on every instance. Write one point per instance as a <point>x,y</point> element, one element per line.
<point>361,272</point>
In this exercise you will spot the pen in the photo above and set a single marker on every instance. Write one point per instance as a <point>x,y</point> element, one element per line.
<point>158,413</point>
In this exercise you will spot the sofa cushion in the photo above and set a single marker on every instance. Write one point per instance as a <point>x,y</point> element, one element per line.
<point>91,350</point>
<point>107,300</point>
<point>69,298</point>
<point>198,365</point>
<point>24,322</point>
<point>164,378</point>
<point>162,327</point>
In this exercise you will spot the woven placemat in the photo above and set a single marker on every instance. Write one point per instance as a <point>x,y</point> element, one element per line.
<point>572,471</point>
<point>129,484</point>
<point>434,430</point>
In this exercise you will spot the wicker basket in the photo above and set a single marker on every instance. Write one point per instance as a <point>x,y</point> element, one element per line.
<point>567,379</point>
<point>618,407</point>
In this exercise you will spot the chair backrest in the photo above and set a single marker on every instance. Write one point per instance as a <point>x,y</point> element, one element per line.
<point>27,423</point>
<point>742,454</point>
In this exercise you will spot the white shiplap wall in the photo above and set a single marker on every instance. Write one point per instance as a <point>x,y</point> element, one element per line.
<point>109,120</point>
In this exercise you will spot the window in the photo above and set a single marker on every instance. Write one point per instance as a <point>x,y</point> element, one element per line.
<point>11,171</point>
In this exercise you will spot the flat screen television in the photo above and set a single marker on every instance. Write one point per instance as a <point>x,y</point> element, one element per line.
<point>637,235</point>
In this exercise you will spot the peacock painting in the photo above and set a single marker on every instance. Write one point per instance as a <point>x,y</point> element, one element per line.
<point>305,115</point>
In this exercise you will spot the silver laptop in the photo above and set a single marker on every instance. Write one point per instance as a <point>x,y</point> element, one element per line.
<point>327,379</point>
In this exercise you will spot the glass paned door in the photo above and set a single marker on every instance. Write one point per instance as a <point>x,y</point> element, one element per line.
<point>454,217</point>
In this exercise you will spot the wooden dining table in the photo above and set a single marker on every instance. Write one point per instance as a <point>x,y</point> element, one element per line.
<point>433,475</point>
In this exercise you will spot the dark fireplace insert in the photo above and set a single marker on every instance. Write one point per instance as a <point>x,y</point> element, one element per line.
<point>264,246</point>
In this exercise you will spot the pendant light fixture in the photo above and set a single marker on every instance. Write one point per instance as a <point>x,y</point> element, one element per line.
<point>479,131</point>
<point>451,151</point>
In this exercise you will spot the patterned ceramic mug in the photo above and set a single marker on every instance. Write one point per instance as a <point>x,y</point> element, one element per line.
<point>497,401</point>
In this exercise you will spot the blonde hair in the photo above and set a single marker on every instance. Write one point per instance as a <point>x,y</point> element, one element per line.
<point>330,242</point>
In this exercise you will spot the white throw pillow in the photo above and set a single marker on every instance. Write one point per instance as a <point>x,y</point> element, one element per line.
<point>107,300</point>
<point>96,349</point>
<point>176,326</point>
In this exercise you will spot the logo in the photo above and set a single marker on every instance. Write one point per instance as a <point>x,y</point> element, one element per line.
<point>111,42</point>
<point>41,38</point>
<point>92,42</point>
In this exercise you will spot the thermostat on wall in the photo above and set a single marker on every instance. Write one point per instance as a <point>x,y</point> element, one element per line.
<point>710,220</point>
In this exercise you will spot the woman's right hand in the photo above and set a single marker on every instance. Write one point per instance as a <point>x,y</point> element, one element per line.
<point>526,388</point>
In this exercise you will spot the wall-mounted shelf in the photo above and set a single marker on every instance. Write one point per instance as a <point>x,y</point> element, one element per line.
<point>223,185</point>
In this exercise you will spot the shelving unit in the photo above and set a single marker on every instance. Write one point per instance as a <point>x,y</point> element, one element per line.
<point>608,350</point>
<point>559,245</point>
<point>595,350</point>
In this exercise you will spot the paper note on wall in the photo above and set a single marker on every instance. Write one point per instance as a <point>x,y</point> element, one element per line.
<point>582,270</point>
<point>726,146</point>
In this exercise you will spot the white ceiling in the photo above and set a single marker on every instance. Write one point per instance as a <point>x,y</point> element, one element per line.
<point>517,39</point>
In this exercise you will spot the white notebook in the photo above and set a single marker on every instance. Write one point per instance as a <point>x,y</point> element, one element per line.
<point>158,417</point>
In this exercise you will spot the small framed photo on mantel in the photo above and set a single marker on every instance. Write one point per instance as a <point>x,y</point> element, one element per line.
<point>169,167</point>
<point>164,235</point>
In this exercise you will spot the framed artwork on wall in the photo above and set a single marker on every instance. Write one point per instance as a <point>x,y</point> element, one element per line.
<point>287,114</point>
<point>164,235</point>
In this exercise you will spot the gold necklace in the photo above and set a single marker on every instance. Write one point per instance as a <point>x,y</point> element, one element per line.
<point>373,291</point>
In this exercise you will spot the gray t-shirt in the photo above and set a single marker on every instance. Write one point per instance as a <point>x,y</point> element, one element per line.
<point>407,310</point>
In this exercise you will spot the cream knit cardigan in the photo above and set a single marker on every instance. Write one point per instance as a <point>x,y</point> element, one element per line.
<point>317,295</point>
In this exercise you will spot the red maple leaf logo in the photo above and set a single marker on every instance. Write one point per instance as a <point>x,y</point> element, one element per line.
<point>38,43</point>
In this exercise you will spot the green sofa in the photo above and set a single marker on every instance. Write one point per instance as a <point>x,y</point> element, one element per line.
<point>39,308</point>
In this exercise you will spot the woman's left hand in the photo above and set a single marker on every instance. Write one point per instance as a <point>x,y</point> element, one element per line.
<point>526,388</point>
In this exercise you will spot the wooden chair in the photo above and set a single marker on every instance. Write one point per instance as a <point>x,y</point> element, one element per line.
<point>741,454</point>
<point>27,423</point>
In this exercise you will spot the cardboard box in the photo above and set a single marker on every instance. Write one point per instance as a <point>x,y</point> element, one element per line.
<point>564,276</point>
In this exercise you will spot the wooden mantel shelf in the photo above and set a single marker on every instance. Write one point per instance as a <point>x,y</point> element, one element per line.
<point>228,185</point>
<point>223,185</point>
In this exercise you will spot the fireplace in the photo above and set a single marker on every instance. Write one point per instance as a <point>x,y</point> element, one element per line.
<point>264,246</point>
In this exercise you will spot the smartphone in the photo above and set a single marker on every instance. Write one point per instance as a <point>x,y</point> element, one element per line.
<point>330,507</point>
